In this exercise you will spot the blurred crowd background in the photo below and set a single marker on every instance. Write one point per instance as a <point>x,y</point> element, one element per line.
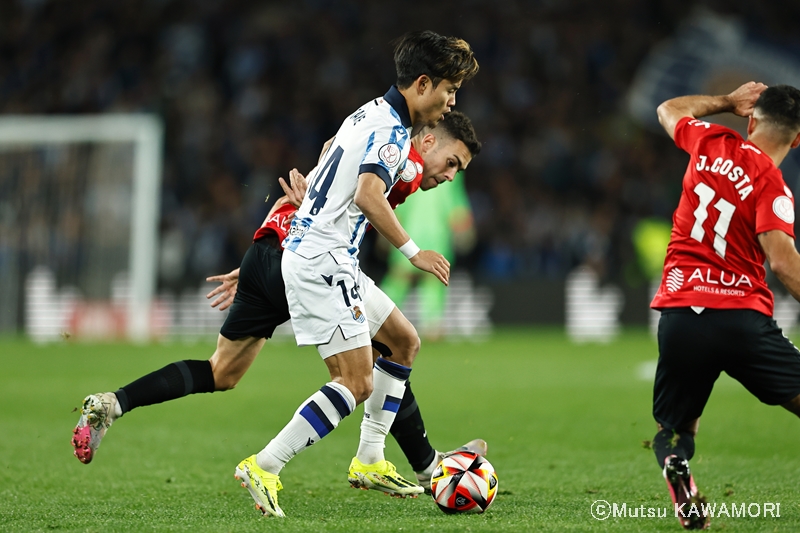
<point>249,89</point>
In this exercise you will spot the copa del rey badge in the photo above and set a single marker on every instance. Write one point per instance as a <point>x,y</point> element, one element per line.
<point>410,171</point>
<point>390,155</point>
<point>784,209</point>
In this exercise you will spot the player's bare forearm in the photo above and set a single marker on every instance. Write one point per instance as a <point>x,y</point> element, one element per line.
<point>370,200</point>
<point>783,259</point>
<point>739,102</point>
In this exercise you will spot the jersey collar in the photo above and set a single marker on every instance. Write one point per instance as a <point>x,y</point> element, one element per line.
<point>398,102</point>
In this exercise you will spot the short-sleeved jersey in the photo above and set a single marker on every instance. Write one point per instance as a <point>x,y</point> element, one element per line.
<point>279,221</point>
<point>374,139</point>
<point>732,192</point>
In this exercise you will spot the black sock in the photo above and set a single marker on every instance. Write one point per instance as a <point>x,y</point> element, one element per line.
<point>408,430</point>
<point>670,442</point>
<point>173,381</point>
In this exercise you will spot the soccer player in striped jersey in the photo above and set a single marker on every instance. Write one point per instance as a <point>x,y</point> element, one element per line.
<point>259,306</point>
<point>325,288</point>
<point>735,211</point>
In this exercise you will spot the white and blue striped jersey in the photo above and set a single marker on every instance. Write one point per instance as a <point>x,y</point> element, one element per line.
<point>374,139</point>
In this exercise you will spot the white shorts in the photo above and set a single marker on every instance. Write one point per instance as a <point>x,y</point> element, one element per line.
<point>329,292</point>
<point>339,344</point>
<point>378,305</point>
<point>322,295</point>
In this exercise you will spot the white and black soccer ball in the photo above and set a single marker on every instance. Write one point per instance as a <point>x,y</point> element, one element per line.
<point>464,482</point>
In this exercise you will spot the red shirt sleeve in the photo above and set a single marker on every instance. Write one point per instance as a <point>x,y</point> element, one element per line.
<point>689,131</point>
<point>774,205</point>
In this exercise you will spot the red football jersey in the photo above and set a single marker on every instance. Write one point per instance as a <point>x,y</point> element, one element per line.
<point>409,181</point>
<point>278,222</point>
<point>731,193</point>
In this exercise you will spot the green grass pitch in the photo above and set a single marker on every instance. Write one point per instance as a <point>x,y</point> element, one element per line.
<point>565,426</point>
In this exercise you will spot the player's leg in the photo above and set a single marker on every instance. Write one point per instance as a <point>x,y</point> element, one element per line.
<point>771,370</point>
<point>689,346</point>
<point>409,431</point>
<point>315,418</point>
<point>399,342</point>
<point>176,380</point>
<point>393,334</point>
<point>259,307</point>
<point>327,310</point>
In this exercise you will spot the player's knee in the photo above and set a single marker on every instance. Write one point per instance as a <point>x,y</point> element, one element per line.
<point>407,348</point>
<point>361,388</point>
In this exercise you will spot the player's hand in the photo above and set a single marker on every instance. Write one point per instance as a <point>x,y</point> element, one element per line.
<point>433,262</point>
<point>227,289</point>
<point>744,98</point>
<point>296,188</point>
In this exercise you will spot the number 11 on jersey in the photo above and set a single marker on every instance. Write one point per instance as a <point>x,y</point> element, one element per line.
<point>706,194</point>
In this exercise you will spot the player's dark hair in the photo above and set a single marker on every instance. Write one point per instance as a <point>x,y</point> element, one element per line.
<point>780,106</point>
<point>440,58</point>
<point>458,126</point>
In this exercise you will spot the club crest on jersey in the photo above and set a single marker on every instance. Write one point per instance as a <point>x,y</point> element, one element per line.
<point>297,231</point>
<point>358,316</point>
<point>784,209</point>
<point>390,155</point>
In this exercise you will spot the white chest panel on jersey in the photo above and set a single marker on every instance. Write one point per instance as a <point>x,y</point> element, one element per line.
<point>373,139</point>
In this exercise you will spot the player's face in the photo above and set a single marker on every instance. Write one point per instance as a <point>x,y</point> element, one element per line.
<point>436,101</point>
<point>442,162</point>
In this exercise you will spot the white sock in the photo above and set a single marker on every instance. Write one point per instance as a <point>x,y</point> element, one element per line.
<point>389,385</point>
<point>117,408</point>
<point>434,463</point>
<point>315,418</point>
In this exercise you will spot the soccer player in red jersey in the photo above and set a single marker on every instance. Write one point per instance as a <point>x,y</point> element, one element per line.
<point>258,306</point>
<point>735,211</point>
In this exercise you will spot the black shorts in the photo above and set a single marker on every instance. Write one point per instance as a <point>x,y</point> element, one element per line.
<point>260,302</point>
<point>693,350</point>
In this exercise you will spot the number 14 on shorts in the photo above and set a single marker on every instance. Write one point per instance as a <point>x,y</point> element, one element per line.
<point>353,292</point>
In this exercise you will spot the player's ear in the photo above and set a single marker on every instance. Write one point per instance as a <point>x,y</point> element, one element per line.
<point>751,125</point>
<point>422,83</point>
<point>428,142</point>
<point>796,141</point>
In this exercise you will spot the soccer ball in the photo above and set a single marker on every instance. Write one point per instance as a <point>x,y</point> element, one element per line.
<point>464,482</point>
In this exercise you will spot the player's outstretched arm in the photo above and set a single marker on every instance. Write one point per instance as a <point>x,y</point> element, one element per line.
<point>739,102</point>
<point>783,259</point>
<point>226,290</point>
<point>369,198</point>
